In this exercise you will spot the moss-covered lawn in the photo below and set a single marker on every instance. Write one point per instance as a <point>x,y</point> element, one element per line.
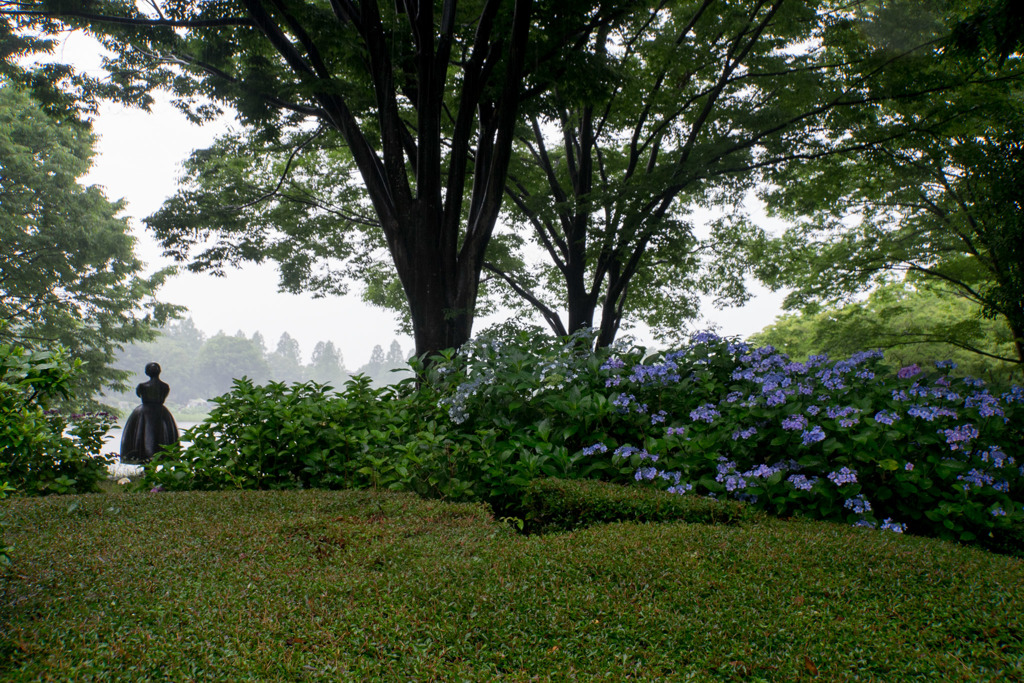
<point>318,585</point>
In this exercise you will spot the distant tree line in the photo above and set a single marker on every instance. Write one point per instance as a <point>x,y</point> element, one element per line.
<point>198,367</point>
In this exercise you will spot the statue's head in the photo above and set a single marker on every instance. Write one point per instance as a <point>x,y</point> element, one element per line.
<point>153,370</point>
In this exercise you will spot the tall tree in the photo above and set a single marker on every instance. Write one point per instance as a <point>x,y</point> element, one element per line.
<point>225,358</point>
<point>697,100</point>
<point>422,96</point>
<point>326,364</point>
<point>942,204</point>
<point>395,359</point>
<point>285,362</point>
<point>68,271</point>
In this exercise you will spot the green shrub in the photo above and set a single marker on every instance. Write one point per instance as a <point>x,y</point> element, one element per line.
<point>550,504</point>
<point>46,451</point>
<point>308,436</point>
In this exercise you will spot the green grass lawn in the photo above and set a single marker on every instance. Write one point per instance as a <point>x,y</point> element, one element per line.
<point>319,585</point>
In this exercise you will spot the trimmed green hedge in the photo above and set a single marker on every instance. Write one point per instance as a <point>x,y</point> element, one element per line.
<point>328,586</point>
<point>563,504</point>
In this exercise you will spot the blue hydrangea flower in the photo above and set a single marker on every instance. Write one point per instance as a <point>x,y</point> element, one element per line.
<point>895,527</point>
<point>835,412</point>
<point>646,473</point>
<point>705,413</point>
<point>959,437</point>
<point>813,435</point>
<point>886,417</point>
<point>595,449</point>
<point>987,405</point>
<point>844,476</point>
<point>975,479</point>
<point>744,434</point>
<point>626,451</point>
<point>801,482</point>
<point>613,364</point>
<point>704,338</point>
<point>859,504</point>
<point>794,422</point>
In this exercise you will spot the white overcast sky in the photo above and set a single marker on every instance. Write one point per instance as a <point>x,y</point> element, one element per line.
<point>139,158</point>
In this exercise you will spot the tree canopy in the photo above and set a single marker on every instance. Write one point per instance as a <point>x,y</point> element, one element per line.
<point>423,98</point>
<point>913,323</point>
<point>68,271</point>
<point>941,203</point>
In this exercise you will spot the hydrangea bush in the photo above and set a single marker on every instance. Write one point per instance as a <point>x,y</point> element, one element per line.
<point>849,440</point>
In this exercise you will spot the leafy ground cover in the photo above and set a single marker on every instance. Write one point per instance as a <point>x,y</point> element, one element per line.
<point>363,585</point>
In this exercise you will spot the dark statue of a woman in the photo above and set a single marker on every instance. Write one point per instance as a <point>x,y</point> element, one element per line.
<point>150,426</point>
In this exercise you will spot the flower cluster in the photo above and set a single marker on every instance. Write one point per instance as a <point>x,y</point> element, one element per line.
<point>852,423</point>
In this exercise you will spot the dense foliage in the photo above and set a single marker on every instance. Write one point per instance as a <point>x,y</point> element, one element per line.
<point>937,200</point>
<point>68,270</point>
<point>919,323</point>
<point>43,450</point>
<point>851,441</point>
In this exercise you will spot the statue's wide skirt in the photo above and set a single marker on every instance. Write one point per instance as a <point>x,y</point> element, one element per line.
<point>146,430</point>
